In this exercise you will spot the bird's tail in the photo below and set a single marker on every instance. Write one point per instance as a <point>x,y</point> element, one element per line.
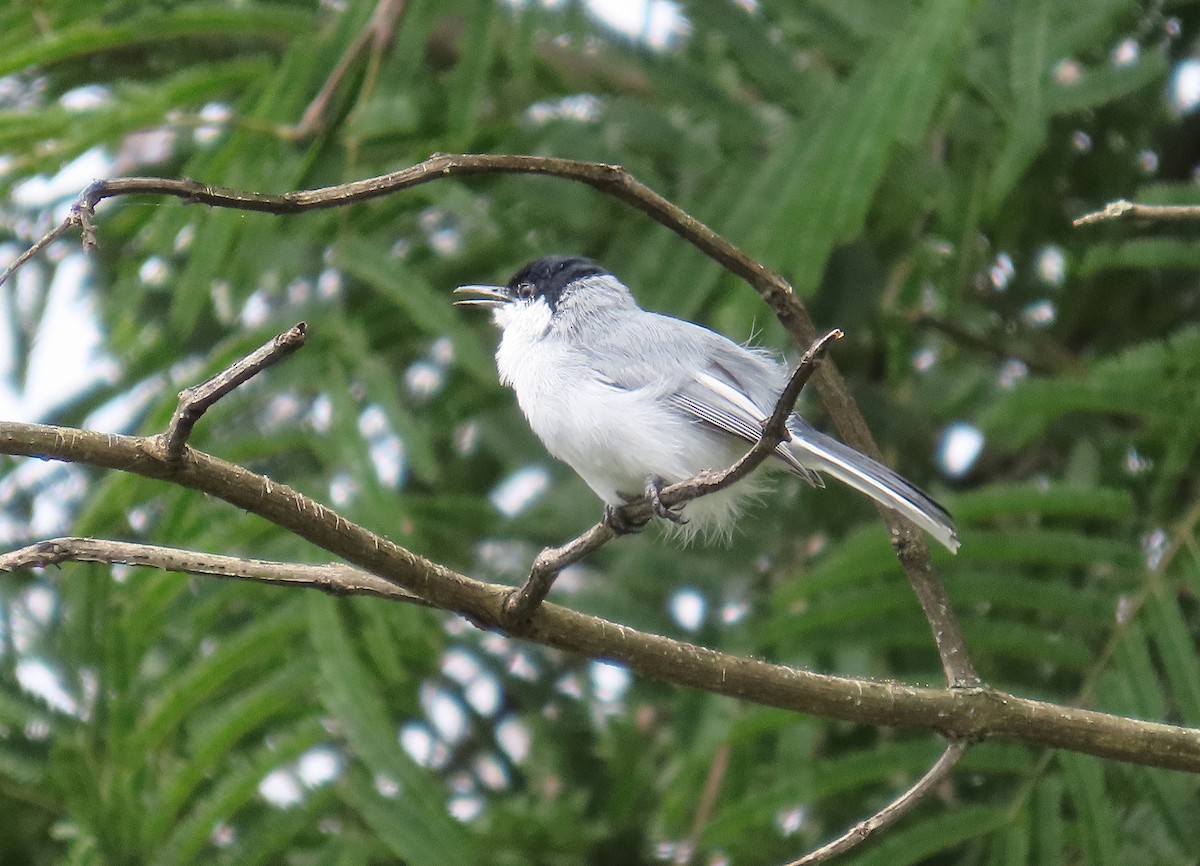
<point>825,454</point>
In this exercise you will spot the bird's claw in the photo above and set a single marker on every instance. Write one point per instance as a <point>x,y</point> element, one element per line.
<point>618,519</point>
<point>654,486</point>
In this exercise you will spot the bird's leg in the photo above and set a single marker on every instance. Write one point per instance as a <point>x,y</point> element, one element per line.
<point>654,486</point>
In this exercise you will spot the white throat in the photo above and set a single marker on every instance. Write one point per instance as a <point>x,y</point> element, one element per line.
<point>524,324</point>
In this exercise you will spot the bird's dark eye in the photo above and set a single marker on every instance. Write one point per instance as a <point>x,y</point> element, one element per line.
<point>524,290</point>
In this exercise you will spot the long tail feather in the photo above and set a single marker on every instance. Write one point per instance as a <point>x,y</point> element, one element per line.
<point>825,454</point>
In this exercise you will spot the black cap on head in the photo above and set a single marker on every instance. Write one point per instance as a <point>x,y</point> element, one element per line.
<point>549,276</point>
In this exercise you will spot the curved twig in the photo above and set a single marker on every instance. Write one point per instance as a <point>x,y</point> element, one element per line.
<point>889,814</point>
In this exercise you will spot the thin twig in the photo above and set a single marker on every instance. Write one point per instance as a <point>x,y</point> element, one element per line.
<point>708,801</point>
<point>334,578</point>
<point>195,401</point>
<point>774,432</point>
<point>80,215</point>
<point>1128,210</point>
<point>377,34</point>
<point>551,561</point>
<point>612,180</point>
<point>54,234</point>
<point>890,813</point>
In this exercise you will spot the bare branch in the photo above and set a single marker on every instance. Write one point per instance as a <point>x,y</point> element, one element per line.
<point>551,561</point>
<point>614,181</point>
<point>1128,210</point>
<point>334,578</point>
<point>913,553</point>
<point>890,813</point>
<point>956,713</point>
<point>50,237</point>
<point>195,401</point>
<point>80,215</point>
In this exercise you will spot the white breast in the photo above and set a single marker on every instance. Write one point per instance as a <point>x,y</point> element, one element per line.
<point>614,437</point>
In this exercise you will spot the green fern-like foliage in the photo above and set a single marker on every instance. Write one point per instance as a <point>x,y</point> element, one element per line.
<point>912,167</point>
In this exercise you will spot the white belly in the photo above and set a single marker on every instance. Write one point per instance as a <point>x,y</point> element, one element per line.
<point>616,439</point>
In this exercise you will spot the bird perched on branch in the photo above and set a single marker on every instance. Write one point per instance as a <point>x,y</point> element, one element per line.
<point>633,400</point>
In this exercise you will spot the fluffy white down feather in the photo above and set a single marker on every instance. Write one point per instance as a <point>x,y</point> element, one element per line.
<point>621,394</point>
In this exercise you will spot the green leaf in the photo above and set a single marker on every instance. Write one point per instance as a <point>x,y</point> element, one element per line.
<point>1027,120</point>
<point>416,825</point>
<point>1140,254</point>
<point>428,309</point>
<point>1097,822</point>
<point>235,790</point>
<point>1046,547</point>
<point>1004,590</point>
<point>474,67</point>
<point>1100,85</point>
<point>250,647</point>
<point>1178,650</point>
<point>1133,685</point>
<point>1049,834</point>
<point>273,23</point>
<point>823,197</point>
<point>215,740</point>
<point>1012,845</point>
<point>1044,500</point>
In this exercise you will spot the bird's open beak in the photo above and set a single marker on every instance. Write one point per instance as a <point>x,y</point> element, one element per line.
<point>488,296</point>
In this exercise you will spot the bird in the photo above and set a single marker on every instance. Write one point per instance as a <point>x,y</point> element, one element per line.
<point>633,400</point>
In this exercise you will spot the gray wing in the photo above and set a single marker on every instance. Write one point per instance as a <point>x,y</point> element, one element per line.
<point>717,396</point>
<point>706,376</point>
<point>733,390</point>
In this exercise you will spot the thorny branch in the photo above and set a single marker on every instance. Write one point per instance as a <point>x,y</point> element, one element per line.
<point>551,561</point>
